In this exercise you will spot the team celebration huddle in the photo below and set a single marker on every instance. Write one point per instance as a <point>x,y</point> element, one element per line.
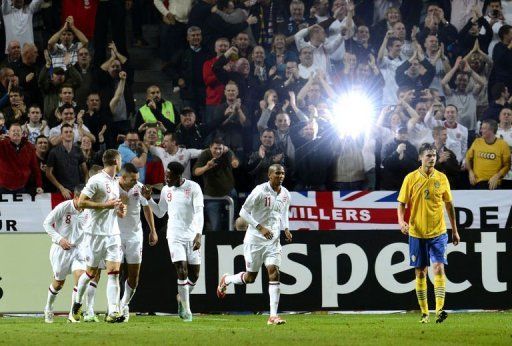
<point>100,228</point>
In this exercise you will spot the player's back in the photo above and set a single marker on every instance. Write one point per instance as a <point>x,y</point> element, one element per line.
<point>65,220</point>
<point>100,188</point>
<point>130,225</point>
<point>268,208</point>
<point>181,202</point>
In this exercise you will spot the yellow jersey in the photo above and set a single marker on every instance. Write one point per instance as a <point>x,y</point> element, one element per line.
<point>489,159</point>
<point>425,197</point>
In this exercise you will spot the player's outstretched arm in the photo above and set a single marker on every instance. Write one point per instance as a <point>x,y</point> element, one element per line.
<point>85,202</point>
<point>450,209</point>
<point>161,208</point>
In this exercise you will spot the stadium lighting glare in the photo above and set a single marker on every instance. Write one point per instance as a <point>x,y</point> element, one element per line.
<point>354,113</point>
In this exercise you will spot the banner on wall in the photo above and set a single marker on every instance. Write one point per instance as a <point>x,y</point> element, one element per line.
<point>309,210</point>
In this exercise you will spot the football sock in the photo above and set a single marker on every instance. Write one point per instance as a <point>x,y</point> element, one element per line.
<point>128,294</point>
<point>183,292</point>
<point>90,293</point>
<point>440,290</point>
<point>237,279</point>
<point>191,286</point>
<point>83,282</point>
<point>73,296</point>
<point>421,293</point>
<point>273,292</point>
<point>52,295</point>
<point>113,292</point>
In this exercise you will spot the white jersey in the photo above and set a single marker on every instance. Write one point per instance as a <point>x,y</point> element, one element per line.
<point>182,156</point>
<point>130,225</point>
<point>65,221</point>
<point>184,206</point>
<point>268,208</point>
<point>100,188</point>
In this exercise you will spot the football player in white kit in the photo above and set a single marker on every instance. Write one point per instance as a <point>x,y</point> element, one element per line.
<point>182,199</point>
<point>266,212</point>
<point>67,251</point>
<point>101,195</point>
<point>131,230</point>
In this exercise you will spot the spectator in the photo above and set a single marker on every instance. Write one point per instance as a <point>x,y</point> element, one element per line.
<point>215,27</point>
<point>477,29</point>
<point>35,127</point>
<point>297,21</point>
<point>28,74</point>
<point>133,150</point>
<point>488,158</point>
<point>86,71</point>
<point>291,82</point>
<point>270,14</point>
<point>501,99</point>
<point>233,120</point>
<point>200,12</point>
<point>156,110</point>
<point>189,133</point>
<point>18,163</point>
<point>434,53</point>
<point>174,27</point>
<point>171,152</point>
<point>242,43</point>
<point>464,95</point>
<point>306,67</point>
<point>315,155</point>
<point>96,118</point>
<point>155,173</point>
<point>418,130</point>
<point>17,16</point>
<point>66,36</point>
<point>16,112</point>
<point>258,67</point>
<point>186,71</point>
<point>417,73</point>
<point>67,113</point>
<point>232,15</point>
<point>216,166</point>
<point>389,60</point>
<point>91,156</point>
<point>214,87</point>
<point>446,159</point>
<point>42,148</point>
<point>360,44</point>
<point>399,158</point>
<point>392,15</point>
<point>505,132</point>
<point>436,24</point>
<point>3,128</point>
<point>278,57</point>
<point>268,154</point>
<point>13,58</point>
<point>502,57</point>
<point>66,164</point>
<point>462,11</point>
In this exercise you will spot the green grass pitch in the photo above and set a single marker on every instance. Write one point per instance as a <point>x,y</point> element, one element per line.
<point>311,329</point>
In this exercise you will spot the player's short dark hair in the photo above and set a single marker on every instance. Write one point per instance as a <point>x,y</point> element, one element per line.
<point>492,124</point>
<point>109,157</point>
<point>217,140</point>
<point>176,168</point>
<point>426,147</point>
<point>504,31</point>
<point>172,135</point>
<point>497,89</point>
<point>391,41</point>
<point>39,137</point>
<point>66,106</point>
<point>129,168</point>
<point>63,126</point>
<point>78,189</point>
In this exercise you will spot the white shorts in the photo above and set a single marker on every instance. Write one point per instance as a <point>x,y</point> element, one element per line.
<point>102,247</point>
<point>183,251</point>
<point>65,262</point>
<point>256,255</point>
<point>132,250</point>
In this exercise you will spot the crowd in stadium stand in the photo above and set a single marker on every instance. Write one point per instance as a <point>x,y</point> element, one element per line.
<point>259,82</point>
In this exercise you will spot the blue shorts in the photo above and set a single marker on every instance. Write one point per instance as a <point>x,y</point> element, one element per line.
<point>422,251</point>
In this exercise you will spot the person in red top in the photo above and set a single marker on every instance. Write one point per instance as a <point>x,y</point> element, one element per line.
<point>214,88</point>
<point>18,162</point>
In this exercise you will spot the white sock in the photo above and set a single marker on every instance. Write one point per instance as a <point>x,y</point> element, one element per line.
<point>73,297</point>
<point>52,295</point>
<point>128,294</point>
<point>237,279</point>
<point>273,292</point>
<point>191,286</point>
<point>90,293</point>
<point>183,292</point>
<point>113,292</point>
<point>83,282</point>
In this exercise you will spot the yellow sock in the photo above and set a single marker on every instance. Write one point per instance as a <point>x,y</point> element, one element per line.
<point>421,293</point>
<point>439,289</point>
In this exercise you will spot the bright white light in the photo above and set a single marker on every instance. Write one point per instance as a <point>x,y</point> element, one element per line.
<point>353,113</point>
